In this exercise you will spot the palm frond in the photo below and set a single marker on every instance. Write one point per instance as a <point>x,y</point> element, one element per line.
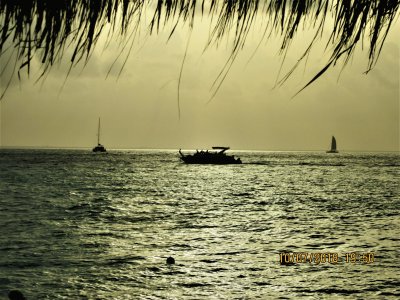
<point>44,28</point>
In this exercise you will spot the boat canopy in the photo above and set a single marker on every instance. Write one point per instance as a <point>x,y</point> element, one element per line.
<point>220,148</point>
<point>223,149</point>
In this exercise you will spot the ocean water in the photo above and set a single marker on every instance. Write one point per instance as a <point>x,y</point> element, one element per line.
<point>80,225</point>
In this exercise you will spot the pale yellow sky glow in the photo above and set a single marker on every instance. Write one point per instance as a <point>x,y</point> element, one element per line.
<point>139,110</point>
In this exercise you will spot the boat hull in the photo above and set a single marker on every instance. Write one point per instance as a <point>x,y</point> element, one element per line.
<point>332,151</point>
<point>99,149</point>
<point>211,161</point>
<point>210,158</point>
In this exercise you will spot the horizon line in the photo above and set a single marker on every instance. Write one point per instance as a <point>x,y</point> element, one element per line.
<point>188,149</point>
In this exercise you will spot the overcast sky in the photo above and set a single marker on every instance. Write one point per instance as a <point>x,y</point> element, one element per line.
<point>140,109</point>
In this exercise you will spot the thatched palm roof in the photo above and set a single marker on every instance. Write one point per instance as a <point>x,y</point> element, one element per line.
<point>44,28</point>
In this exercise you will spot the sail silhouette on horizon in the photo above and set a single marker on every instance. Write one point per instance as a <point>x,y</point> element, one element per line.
<point>333,146</point>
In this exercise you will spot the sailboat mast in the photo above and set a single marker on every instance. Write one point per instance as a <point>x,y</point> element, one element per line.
<point>98,134</point>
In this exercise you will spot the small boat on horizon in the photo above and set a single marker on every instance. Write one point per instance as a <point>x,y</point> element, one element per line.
<point>210,157</point>
<point>333,146</point>
<point>99,147</point>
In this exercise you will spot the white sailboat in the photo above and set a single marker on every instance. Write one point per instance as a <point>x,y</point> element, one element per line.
<point>99,147</point>
<point>333,146</point>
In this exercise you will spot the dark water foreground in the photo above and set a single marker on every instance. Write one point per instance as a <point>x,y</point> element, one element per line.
<point>78,225</point>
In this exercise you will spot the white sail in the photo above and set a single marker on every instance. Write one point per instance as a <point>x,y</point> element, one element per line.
<point>333,146</point>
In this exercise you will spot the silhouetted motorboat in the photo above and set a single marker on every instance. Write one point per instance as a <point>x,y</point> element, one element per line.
<point>333,146</point>
<point>99,147</point>
<point>210,157</point>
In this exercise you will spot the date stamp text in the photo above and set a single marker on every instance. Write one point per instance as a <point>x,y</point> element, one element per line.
<point>326,257</point>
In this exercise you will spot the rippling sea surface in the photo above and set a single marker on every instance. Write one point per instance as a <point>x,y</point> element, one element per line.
<point>81,225</point>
